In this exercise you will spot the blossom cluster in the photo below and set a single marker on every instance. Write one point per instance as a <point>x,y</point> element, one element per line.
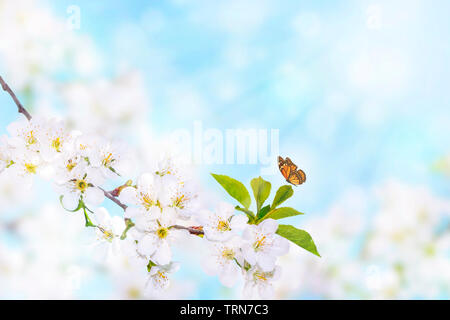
<point>391,226</point>
<point>156,209</point>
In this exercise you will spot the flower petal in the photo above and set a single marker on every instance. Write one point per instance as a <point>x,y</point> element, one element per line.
<point>94,196</point>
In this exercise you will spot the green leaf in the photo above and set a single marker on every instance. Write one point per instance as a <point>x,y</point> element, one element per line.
<point>234,188</point>
<point>261,191</point>
<point>283,193</point>
<point>281,213</point>
<point>299,237</point>
<point>263,211</point>
<point>250,214</point>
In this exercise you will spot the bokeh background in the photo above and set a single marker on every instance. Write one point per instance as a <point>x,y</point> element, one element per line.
<point>359,91</point>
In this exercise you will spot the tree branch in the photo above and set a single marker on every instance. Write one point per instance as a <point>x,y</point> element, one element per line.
<point>109,195</point>
<point>20,108</point>
<point>192,230</point>
<point>114,199</point>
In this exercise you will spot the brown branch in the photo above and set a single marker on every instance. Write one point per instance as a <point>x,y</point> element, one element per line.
<point>114,199</point>
<point>111,195</point>
<point>20,108</point>
<point>192,230</point>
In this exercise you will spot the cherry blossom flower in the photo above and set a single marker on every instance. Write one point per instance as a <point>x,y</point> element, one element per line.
<point>224,260</point>
<point>82,185</point>
<point>108,232</point>
<point>222,224</point>
<point>262,245</point>
<point>158,277</point>
<point>259,282</point>
<point>156,239</point>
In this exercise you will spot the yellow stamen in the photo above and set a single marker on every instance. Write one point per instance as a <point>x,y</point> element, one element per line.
<point>260,276</point>
<point>56,144</point>
<point>179,201</point>
<point>107,160</point>
<point>162,232</point>
<point>258,244</point>
<point>30,168</point>
<point>223,225</point>
<point>228,254</point>
<point>70,165</point>
<point>30,138</point>
<point>147,202</point>
<point>81,185</point>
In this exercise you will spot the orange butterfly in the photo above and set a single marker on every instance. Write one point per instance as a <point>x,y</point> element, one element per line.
<point>289,171</point>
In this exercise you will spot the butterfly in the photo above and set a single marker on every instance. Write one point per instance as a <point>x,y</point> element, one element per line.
<point>290,172</point>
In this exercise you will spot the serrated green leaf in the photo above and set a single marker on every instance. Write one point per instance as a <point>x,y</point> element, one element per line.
<point>299,237</point>
<point>250,214</point>
<point>281,213</point>
<point>261,191</point>
<point>263,212</point>
<point>283,193</point>
<point>234,188</point>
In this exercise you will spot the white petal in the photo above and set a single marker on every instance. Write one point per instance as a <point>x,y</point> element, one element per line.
<point>266,291</point>
<point>225,210</point>
<point>102,217</point>
<point>266,261</point>
<point>154,212</point>
<point>128,195</point>
<point>147,245</point>
<point>239,222</point>
<point>132,212</point>
<point>280,246</point>
<point>163,253</point>
<point>229,274</point>
<point>249,232</point>
<point>248,292</point>
<point>94,196</point>
<point>145,182</point>
<point>95,176</point>
<point>249,254</point>
<point>210,265</point>
<point>269,226</point>
<point>70,201</point>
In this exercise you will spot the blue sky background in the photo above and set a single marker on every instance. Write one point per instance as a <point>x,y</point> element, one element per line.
<point>358,89</point>
<point>290,66</point>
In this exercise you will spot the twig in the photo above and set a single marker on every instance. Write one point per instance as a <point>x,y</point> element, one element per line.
<point>110,195</point>
<point>192,230</point>
<point>20,108</point>
<point>114,199</point>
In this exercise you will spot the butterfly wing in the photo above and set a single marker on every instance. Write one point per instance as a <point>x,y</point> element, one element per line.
<point>297,177</point>
<point>289,171</point>
<point>291,164</point>
<point>285,169</point>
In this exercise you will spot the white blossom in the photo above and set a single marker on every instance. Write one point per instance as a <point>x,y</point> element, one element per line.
<point>262,245</point>
<point>222,224</point>
<point>260,282</point>
<point>158,277</point>
<point>224,260</point>
<point>82,185</point>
